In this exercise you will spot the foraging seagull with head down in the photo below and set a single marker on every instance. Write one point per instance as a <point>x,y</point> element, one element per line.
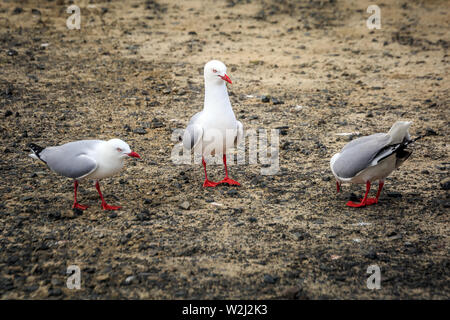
<point>215,129</point>
<point>85,159</point>
<point>372,158</point>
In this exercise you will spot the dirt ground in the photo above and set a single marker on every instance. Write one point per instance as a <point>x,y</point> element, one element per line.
<point>135,71</point>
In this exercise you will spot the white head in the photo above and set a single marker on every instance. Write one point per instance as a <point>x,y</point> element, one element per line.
<point>399,131</point>
<point>120,148</point>
<point>216,72</point>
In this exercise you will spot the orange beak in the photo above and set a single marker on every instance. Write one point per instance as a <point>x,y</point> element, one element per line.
<point>226,78</point>
<point>133,154</point>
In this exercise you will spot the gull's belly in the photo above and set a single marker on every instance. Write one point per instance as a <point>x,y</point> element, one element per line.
<point>378,172</point>
<point>219,138</point>
<point>105,170</point>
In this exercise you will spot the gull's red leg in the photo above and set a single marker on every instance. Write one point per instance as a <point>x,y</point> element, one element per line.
<point>105,206</point>
<point>363,201</point>
<point>207,183</point>
<point>76,205</point>
<point>227,179</point>
<point>338,186</point>
<point>375,200</point>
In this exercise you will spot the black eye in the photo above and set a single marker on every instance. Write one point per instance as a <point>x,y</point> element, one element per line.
<point>119,150</point>
<point>214,70</point>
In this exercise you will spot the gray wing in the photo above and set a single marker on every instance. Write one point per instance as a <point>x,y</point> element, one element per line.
<point>193,133</point>
<point>71,159</point>
<point>358,154</point>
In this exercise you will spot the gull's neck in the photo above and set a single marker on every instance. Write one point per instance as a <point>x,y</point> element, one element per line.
<point>216,96</point>
<point>107,155</point>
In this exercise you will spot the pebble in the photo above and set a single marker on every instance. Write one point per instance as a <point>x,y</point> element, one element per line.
<point>17,10</point>
<point>445,185</point>
<point>275,101</point>
<point>394,194</point>
<point>156,123</point>
<point>11,52</point>
<point>185,205</point>
<point>269,279</point>
<point>298,236</point>
<point>54,292</point>
<point>102,277</point>
<point>371,255</point>
<point>143,216</point>
<point>140,130</point>
<point>292,292</point>
<point>265,99</point>
<point>130,279</point>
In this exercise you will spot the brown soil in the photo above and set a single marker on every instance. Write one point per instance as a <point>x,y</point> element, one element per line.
<point>134,71</point>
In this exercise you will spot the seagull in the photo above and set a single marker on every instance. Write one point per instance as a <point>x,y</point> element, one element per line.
<point>215,129</point>
<point>372,158</point>
<point>85,159</point>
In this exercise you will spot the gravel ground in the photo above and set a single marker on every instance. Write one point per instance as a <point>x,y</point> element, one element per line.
<point>134,71</point>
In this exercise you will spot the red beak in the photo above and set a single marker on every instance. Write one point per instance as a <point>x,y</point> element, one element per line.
<point>226,78</point>
<point>134,155</point>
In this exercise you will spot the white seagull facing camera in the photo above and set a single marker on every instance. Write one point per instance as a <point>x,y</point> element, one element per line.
<point>372,158</point>
<point>215,129</point>
<point>85,159</point>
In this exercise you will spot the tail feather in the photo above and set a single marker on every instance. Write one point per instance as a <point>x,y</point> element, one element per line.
<point>36,151</point>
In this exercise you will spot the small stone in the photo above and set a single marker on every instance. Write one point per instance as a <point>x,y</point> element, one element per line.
<point>69,214</point>
<point>54,292</point>
<point>8,113</point>
<point>17,10</point>
<point>113,215</point>
<point>180,293</point>
<point>431,132</point>
<point>265,99</point>
<point>371,255</point>
<point>12,52</point>
<point>394,194</point>
<point>252,219</point>
<point>140,130</point>
<point>445,185</point>
<point>298,236</point>
<point>185,205</point>
<point>269,279</point>
<point>394,236</point>
<point>130,279</point>
<point>292,292</point>
<point>156,123</point>
<point>102,277</point>
<point>143,216</point>
<point>275,101</point>
<point>77,212</point>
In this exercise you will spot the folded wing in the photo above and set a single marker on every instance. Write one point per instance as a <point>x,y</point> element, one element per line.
<point>360,154</point>
<point>193,133</point>
<point>71,159</point>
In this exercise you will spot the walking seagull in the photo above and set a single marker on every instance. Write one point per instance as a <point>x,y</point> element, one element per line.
<point>215,129</point>
<point>372,158</point>
<point>85,159</point>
